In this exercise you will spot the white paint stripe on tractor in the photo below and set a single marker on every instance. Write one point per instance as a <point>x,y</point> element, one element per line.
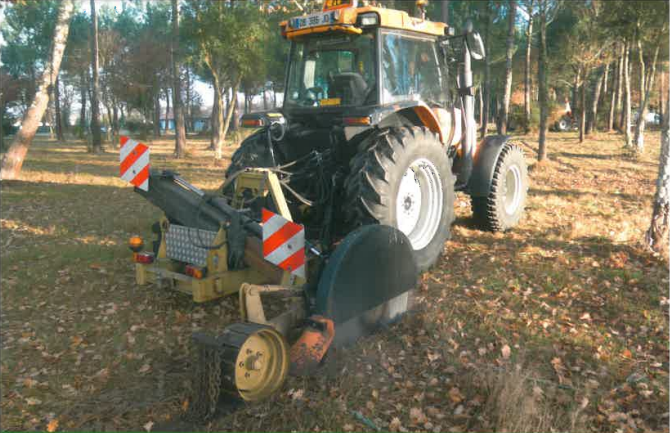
<point>272,225</point>
<point>287,249</point>
<point>137,166</point>
<point>145,185</point>
<point>300,272</point>
<point>126,149</point>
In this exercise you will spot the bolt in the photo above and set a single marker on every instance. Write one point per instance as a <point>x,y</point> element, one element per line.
<point>247,375</point>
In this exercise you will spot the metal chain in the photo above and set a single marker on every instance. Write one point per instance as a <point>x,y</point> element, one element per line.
<point>207,384</point>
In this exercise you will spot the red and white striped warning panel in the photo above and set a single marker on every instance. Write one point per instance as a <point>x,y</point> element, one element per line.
<point>134,158</point>
<point>284,243</point>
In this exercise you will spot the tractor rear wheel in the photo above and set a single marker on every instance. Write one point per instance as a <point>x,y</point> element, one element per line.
<point>402,177</point>
<point>503,207</point>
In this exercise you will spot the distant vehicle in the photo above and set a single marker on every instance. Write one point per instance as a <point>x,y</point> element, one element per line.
<point>651,118</point>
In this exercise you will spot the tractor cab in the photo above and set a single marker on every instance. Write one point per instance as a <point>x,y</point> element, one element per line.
<point>355,65</point>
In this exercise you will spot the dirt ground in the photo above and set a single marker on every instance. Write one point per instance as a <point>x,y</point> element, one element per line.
<point>560,325</point>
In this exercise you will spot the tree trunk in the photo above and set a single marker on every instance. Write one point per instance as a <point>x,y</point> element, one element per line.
<point>575,89</point>
<point>59,117</point>
<point>13,159</point>
<point>526,80</point>
<point>214,119</point>
<point>582,105</point>
<point>542,82</point>
<point>487,69</point>
<point>444,11</point>
<point>511,28</point>
<point>645,91</point>
<point>167,111</point>
<point>95,91</point>
<point>157,114</point>
<point>233,124</point>
<point>82,111</point>
<point>189,104</point>
<point>265,99</point>
<point>592,124</point>
<point>657,235</point>
<point>217,132</point>
<point>180,130</point>
<point>613,99</point>
<point>661,102</point>
<point>618,124</point>
<point>231,108</point>
<point>627,101</point>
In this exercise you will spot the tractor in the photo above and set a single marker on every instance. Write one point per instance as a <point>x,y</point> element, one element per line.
<point>338,201</point>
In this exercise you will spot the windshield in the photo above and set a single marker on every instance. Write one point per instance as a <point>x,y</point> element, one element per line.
<point>411,70</point>
<point>335,70</point>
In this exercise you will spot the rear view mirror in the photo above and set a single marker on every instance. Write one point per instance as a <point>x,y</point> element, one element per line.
<point>475,45</point>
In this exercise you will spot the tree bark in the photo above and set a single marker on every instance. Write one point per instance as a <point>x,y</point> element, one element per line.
<point>217,132</point>
<point>542,82</point>
<point>13,159</point>
<point>582,105</point>
<point>627,101</point>
<point>511,29</point>
<point>95,90</point>
<point>157,113</point>
<point>645,90</point>
<point>526,81</point>
<point>593,118</point>
<point>167,111</point>
<point>180,130</point>
<point>59,118</point>
<point>575,89</point>
<point>82,110</point>
<point>487,70</point>
<point>656,237</point>
<point>615,93</point>
<point>232,107</point>
<point>618,124</point>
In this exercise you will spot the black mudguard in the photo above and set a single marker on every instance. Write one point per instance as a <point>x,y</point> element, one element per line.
<point>484,165</point>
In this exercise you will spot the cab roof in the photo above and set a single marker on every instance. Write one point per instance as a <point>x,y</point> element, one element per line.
<point>345,19</point>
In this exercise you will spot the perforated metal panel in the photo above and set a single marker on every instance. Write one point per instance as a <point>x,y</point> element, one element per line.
<point>183,244</point>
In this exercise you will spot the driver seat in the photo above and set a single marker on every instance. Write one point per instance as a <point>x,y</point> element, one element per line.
<point>350,87</point>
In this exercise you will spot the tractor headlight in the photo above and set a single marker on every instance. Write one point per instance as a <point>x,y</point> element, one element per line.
<point>368,20</point>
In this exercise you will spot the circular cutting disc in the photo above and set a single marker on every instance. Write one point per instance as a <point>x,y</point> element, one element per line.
<point>366,282</point>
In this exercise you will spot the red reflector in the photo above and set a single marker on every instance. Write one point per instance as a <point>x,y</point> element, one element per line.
<point>253,123</point>
<point>144,258</point>
<point>195,272</point>
<point>357,121</point>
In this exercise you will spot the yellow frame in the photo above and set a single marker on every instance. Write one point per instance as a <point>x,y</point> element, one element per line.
<point>221,281</point>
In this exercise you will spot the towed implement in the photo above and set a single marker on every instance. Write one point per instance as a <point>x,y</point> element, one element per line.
<point>336,203</point>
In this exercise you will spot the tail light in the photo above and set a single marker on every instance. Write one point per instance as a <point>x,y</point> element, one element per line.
<point>144,258</point>
<point>357,121</point>
<point>196,272</point>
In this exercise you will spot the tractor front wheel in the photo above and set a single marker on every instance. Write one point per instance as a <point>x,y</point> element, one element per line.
<point>402,177</point>
<point>503,207</point>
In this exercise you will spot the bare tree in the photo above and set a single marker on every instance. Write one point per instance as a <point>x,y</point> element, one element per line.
<point>13,159</point>
<point>626,96</point>
<point>657,235</point>
<point>526,81</point>
<point>179,128</point>
<point>646,86</point>
<point>95,84</point>
<point>542,82</point>
<point>511,31</point>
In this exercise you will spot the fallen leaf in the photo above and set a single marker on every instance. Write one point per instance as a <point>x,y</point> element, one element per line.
<point>145,368</point>
<point>348,427</point>
<point>455,395</point>
<point>52,426</point>
<point>627,354</point>
<point>506,351</point>
<point>33,401</point>
<point>395,424</point>
<point>148,426</point>
<point>417,415</point>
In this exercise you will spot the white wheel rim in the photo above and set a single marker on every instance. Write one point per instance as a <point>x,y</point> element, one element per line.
<point>419,203</point>
<point>512,189</point>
